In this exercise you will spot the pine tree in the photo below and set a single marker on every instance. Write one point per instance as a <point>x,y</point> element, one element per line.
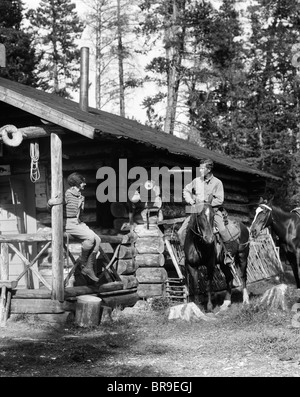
<point>20,61</point>
<point>164,23</point>
<point>274,103</point>
<point>112,23</point>
<point>215,82</point>
<point>55,26</point>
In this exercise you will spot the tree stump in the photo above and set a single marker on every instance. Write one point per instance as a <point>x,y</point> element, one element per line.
<point>87,311</point>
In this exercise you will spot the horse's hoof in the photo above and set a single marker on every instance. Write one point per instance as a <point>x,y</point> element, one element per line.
<point>225,306</point>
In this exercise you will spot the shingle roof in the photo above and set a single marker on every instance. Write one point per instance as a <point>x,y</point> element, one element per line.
<point>67,114</point>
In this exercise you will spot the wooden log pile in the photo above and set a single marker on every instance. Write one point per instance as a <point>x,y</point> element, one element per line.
<point>150,273</point>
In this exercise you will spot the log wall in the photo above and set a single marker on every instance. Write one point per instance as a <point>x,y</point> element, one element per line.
<point>86,156</point>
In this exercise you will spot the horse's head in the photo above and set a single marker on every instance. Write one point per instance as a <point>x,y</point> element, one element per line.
<point>261,219</point>
<point>202,222</point>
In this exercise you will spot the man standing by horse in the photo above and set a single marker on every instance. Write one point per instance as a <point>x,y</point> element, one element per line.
<point>207,188</point>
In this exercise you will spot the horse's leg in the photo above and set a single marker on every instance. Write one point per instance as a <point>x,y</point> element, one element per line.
<point>195,284</point>
<point>210,275</point>
<point>292,258</point>
<point>242,263</point>
<point>229,284</point>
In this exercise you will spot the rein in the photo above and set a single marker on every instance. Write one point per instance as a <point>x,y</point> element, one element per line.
<point>269,214</point>
<point>194,231</point>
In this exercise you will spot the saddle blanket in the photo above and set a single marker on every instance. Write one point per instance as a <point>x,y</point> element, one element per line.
<point>232,231</point>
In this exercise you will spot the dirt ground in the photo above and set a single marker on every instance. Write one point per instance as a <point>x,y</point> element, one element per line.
<point>141,342</point>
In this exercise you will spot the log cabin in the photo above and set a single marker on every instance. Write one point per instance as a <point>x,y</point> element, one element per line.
<point>59,136</point>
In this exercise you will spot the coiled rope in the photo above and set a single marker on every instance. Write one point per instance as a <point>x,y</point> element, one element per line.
<point>34,166</point>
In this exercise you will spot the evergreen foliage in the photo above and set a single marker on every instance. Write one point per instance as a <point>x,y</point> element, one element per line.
<point>20,61</point>
<point>55,26</point>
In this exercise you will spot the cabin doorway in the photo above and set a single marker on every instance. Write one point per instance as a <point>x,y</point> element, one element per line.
<point>18,216</point>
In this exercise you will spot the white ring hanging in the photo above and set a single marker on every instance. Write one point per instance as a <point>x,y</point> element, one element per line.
<point>11,136</point>
<point>34,167</point>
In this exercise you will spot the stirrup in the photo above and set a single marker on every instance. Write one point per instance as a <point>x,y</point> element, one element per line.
<point>228,259</point>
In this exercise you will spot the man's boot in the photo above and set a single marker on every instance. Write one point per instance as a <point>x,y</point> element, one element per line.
<point>228,259</point>
<point>88,270</point>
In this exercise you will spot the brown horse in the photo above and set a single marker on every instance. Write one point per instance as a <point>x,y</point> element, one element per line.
<point>202,249</point>
<point>286,225</point>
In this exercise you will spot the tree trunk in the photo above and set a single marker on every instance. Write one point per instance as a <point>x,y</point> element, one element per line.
<point>87,311</point>
<point>120,61</point>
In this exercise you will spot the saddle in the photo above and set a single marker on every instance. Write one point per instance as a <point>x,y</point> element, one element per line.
<point>229,237</point>
<point>232,231</point>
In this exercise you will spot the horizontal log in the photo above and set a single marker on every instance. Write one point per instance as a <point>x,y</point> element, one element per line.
<point>173,211</point>
<point>45,217</point>
<point>229,187</point>
<point>125,300</point>
<point>111,285</point>
<point>118,223</point>
<point>126,251</point>
<point>90,205</point>
<point>143,231</point>
<point>150,245</point>
<point>57,318</point>
<point>243,208</point>
<point>125,266</point>
<point>129,281</point>
<point>143,260</point>
<point>36,306</point>
<point>241,218</point>
<point>172,221</point>
<point>231,176</point>
<point>117,292</point>
<point>151,275</point>
<point>40,131</point>
<point>15,238</point>
<point>91,164</point>
<point>240,198</point>
<point>44,293</point>
<point>119,210</point>
<point>150,290</point>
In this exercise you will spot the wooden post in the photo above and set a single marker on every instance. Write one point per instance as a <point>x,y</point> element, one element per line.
<point>5,293</point>
<point>57,219</point>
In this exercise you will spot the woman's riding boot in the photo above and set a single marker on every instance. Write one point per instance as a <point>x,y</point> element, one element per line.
<point>88,270</point>
<point>83,258</point>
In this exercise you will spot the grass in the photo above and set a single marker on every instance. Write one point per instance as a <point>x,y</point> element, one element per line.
<point>141,341</point>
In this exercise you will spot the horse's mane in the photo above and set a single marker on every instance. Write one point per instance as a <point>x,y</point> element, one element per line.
<point>193,218</point>
<point>281,211</point>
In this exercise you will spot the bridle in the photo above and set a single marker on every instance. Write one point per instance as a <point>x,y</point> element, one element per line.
<point>199,231</point>
<point>269,214</point>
